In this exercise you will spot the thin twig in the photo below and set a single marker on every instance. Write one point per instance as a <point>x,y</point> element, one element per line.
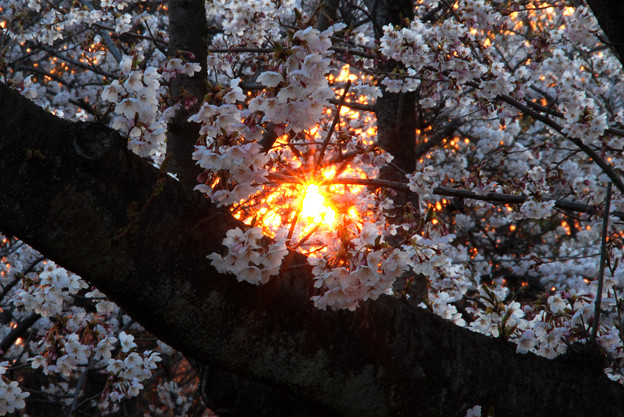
<point>77,63</point>
<point>516,199</point>
<point>603,259</point>
<point>333,125</point>
<point>606,168</point>
<point>293,225</point>
<point>618,306</point>
<point>80,387</point>
<point>445,132</point>
<point>106,37</point>
<point>355,106</point>
<point>496,198</point>
<point>306,237</point>
<point>373,182</point>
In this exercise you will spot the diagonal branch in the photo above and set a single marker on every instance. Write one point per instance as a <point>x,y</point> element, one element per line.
<point>385,359</point>
<point>604,165</point>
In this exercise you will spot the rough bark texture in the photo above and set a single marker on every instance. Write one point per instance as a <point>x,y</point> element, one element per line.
<point>385,359</point>
<point>188,39</point>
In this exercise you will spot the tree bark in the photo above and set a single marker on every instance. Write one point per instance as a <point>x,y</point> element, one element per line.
<point>327,14</point>
<point>188,39</point>
<point>396,112</point>
<point>396,134</point>
<point>72,202</point>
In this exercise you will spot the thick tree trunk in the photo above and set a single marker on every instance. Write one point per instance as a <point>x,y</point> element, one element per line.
<point>188,39</point>
<point>396,134</point>
<point>395,112</point>
<point>71,202</point>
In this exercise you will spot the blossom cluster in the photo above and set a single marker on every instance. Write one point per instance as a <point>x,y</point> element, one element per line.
<point>241,160</point>
<point>69,340</point>
<point>293,101</point>
<point>367,275</point>
<point>248,258</point>
<point>138,104</point>
<point>268,132</point>
<point>249,23</point>
<point>11,396</point>
<point>50,293</point>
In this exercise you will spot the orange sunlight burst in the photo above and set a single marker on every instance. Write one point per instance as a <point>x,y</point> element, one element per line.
<point>313,207</point>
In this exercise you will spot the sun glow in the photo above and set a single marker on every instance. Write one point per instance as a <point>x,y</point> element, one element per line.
<point>315,181</point>
<point>314,209</point>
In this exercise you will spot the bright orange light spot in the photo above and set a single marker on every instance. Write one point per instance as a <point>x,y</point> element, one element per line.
<point>512,227</point>
<point>345,75</point>
<point>566,226</point>
<point>553,289</point>
<point>329,173</point>
<point>313,207</point>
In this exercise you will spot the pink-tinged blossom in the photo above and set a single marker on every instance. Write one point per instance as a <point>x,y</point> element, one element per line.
<point>79,352</point>
<point>115,366</point>
<point>270,78</point>
<point>556,304</point>
<point>248,258</point>
<point>368,235</point>
<point>112,91</point>
<point>526,341</point>
<point>128,107</point>
<point>11,397</point>
<point>127,342</point>
<point>134,82</point>
<point>104,348</point>
<point>313,40</point>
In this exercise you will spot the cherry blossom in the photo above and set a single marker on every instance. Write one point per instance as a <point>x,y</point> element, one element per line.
<point>534,98</point>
